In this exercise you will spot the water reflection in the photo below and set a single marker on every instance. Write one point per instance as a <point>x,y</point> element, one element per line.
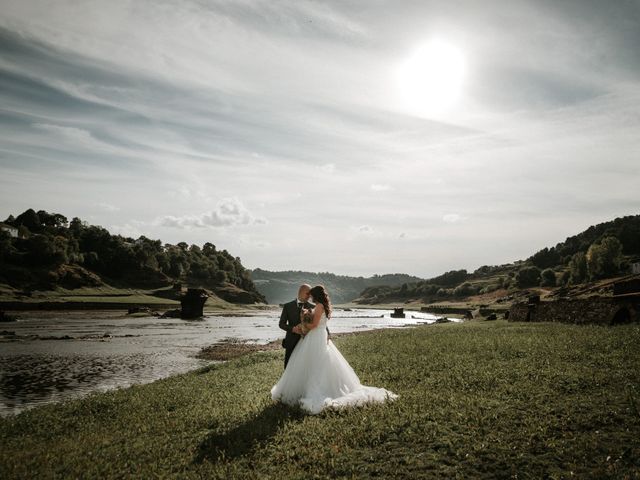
<point>32,379</point>
<point>51,356</point>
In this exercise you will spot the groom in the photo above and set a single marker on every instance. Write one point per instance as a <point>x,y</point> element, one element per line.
<point>290,320</point>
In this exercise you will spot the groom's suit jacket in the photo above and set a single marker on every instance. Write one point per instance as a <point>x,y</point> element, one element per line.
<point>289,318</point>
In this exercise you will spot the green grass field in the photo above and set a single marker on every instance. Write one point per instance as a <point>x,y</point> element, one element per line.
<point>477,400</point>
<point>105,294</point>
<point>155,298</point>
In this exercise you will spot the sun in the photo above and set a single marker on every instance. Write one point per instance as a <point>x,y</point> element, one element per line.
<point>430,79</point>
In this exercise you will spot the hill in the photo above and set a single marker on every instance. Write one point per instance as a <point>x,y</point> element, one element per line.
<point>44,251</point>
<point>280,287</point>
<point>603,251</point>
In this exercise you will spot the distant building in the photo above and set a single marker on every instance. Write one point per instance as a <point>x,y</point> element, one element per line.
<point>635,267</point>
<point>13,231</point>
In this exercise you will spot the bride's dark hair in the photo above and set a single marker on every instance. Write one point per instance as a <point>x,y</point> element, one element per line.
<point>320,295</point>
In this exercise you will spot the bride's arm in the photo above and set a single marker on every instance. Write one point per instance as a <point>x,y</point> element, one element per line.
<point>317,315</point>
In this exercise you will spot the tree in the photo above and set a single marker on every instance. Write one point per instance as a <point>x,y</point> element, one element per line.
<point>76,226</point>
<point>221,276</point>
<point>604,258</point>
<point>52,219</point>
<point>528,277</point>
<point>47,239</point>
<point>548,278</point>
<point>91,259</point>
<point>208,249</point>
<point>578,268</point>
<point>60,247</point>
<point>449,279</point>
<point>44,250</point>
<point>29,218</point>
<point>483,270</point>
<point>6,247</point>
<point>546,258</point>
<point>629,236</point>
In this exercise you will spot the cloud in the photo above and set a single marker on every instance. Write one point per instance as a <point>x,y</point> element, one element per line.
<point>328,168</point>
<point>132,229</point>
<point>107,207</point>
<point>165,108</point>
<point>451,218</point>
<point>229,212</point>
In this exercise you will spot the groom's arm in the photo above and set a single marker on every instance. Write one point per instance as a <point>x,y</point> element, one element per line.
<point>284,320</point>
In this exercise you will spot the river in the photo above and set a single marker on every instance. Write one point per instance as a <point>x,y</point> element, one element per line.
<point>52,356</point>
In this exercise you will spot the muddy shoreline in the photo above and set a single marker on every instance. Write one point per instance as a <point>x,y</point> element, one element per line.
<point>227,350</point>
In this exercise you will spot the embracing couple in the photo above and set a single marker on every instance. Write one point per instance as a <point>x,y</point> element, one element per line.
<point>316,375</point>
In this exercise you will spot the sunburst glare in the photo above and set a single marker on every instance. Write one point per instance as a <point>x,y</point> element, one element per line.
<point>430,79</point>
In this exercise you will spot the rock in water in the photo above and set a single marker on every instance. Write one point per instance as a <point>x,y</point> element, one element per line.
<point>175,313</point>
<point>192,303</point>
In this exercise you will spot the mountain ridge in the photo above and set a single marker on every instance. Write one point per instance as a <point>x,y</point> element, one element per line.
<point>282,286</point>
<point>604,250</point>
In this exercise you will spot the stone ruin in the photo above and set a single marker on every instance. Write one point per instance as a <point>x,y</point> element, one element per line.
<point>192,303</point>
<point>622,307</point>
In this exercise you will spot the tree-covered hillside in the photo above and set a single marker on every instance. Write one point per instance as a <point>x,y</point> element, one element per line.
<point>601,251</point>
<point>51,251</point>
<point>280,287</point>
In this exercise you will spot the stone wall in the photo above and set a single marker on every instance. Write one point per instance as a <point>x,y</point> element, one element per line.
<point>601,310</point>
<point>440,309</point>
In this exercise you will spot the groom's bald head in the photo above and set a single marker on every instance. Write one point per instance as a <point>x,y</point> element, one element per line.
<point>303,292</point>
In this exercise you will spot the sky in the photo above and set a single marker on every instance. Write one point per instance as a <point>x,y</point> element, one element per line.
<point>351,137</point>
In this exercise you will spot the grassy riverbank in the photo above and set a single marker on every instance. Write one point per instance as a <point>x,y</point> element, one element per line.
<point>106,297</point>
<point>477,400</point>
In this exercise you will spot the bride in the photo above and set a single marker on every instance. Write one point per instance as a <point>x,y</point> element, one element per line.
<point>318,376</point>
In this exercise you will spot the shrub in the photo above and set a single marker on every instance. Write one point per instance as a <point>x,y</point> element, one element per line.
<point>604,258</point>
<point>578,268</point>
<point>528,277</point>
<point>464,290</point>
<point>548,278</point>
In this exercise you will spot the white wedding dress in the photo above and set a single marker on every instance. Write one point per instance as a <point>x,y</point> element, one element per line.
<point>318,377</point>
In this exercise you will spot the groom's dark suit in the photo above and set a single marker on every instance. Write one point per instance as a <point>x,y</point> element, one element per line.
<point>289,318</point>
